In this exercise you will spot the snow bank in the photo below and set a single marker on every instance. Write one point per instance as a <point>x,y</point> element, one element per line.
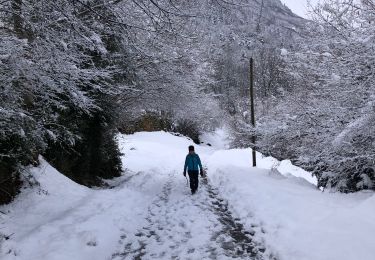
<point>218,139</point>
<point>242,158</point>
<point>299,222</point>
<point>64,220</point>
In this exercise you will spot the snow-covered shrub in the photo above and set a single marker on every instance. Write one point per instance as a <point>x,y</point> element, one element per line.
<point>146,121</point>
<point>188,128</point>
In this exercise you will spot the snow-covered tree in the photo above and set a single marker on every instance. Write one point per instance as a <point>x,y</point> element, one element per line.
<point>325,120</point>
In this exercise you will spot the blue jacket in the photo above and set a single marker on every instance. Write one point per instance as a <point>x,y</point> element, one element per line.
<point>192,162</point>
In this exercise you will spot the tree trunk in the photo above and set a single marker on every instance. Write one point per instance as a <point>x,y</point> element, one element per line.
<point>17,17</point>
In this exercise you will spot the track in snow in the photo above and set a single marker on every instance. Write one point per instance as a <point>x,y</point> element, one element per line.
<point>184,226</point>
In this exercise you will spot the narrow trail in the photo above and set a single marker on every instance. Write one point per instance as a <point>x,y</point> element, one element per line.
<point>184,226</point>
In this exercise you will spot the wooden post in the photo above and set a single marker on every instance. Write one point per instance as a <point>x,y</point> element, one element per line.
<point>252,108</point>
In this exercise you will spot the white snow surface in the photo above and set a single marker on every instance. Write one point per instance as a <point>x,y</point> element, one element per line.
<point>284,52</point>
<point>150,212</point>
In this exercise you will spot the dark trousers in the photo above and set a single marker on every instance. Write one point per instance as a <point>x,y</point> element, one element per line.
<point>193,176</point>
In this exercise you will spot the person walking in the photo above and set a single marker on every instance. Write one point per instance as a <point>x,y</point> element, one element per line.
<point>193,166</point>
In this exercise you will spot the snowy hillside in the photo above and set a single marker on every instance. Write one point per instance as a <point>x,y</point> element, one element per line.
<point>149,213</point>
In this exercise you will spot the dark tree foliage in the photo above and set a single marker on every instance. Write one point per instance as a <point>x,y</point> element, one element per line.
<point>95,155</point>
<point>58,90</point>
<point>147,121</point>
<point>188,128</point>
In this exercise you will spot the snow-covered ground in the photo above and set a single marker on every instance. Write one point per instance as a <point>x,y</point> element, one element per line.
<point>271,212</point>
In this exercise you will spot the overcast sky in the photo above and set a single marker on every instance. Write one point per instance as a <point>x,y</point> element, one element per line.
<point>298,6</point>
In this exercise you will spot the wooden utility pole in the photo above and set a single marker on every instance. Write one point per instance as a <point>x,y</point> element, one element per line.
<point>252,107</point>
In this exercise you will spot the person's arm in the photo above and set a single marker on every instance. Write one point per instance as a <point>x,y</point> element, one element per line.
<point>186,164</point>
<point>200,164</point>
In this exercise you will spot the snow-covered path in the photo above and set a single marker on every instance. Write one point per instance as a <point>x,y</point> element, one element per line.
<point>239,211</point>
<point>184,226</point>
<point>148,214</point>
